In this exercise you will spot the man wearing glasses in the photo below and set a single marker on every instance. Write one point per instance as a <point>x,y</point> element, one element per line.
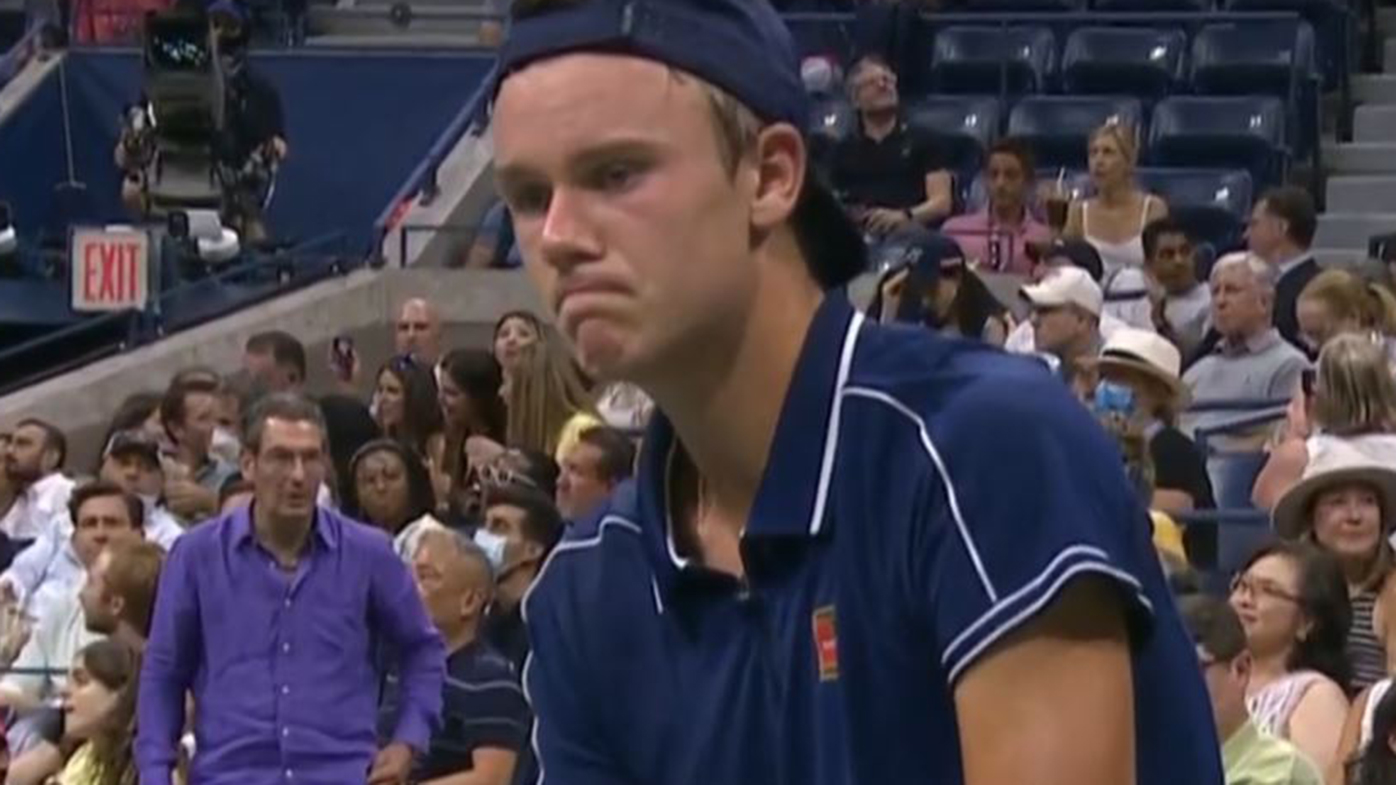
<point>1249,754</point>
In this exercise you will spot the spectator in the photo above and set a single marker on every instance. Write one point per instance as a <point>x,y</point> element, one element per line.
<point>1351,398</point>
<point>118,598</point>
<point>1293,603</point>
<point>405,405</point>
<point>417,333</point>
<point>1250,755</point>
<point>520,528</point>
<point>890,176</point>
<point>132,462</point>
<point>1114,406</point>
<point>192,479</point>
<point>1181,303</point>
<point>349,426</point>
<point>1346,505</point>
<point>1373,763</point>
<point>275,360</point>
<point>512,467</point>
<point>1337,302</point>
<point>236,395</point>
<point>1046,260</point>
<point>7,490</point>
<point>1281,230</point>
<point>1252,361</point>
<point>104,515</point>
<point>1066,314</point>
<point>514,333</point>
<point>475,421</point>
<point>996,238</point>
<point>485,719</point>
<point>945,296</point>
<point>601,459</point>
<point>1114,219</point>
<point>99,708</point>
<point>138,412</point>
<point>388,487</point>
<point>33,463</point>
<point>1149,365</point>
<point>493,245</point>
<point>226,627</point>
<point>548,403</point>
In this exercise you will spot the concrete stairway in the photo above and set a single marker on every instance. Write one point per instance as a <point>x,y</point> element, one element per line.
<point>1362,173</point>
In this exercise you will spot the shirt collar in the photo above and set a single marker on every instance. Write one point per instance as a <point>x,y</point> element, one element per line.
<point>1289,264</point>
<point>792,498</point>
<point>325,527</point>
<point>1254,344</point>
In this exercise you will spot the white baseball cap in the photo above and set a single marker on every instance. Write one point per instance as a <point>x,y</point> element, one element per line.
<point>1066,286</point>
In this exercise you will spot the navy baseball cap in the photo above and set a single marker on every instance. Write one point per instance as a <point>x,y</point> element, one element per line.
<point>1078,253</point>
<point>739,46</point>
<point>228,8</point>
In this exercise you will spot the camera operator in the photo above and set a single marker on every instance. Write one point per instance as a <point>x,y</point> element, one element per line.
<point>254,135</point>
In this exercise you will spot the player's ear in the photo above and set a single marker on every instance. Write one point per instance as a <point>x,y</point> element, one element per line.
<point>780,173</point>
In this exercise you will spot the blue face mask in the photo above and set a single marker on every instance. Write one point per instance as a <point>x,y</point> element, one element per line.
<point>1113,398</point>
<point>493,545</point>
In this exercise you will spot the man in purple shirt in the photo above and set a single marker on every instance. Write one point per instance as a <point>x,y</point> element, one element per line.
<point>272,615</point>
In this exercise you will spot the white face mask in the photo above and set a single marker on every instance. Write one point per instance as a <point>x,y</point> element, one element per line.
<point>225,445</point>
<point>493,545</point>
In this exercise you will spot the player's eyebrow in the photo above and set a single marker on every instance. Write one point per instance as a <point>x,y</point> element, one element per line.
<point>517,173</point>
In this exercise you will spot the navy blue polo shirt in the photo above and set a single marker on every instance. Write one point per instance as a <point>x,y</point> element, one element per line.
<point>924,497</point>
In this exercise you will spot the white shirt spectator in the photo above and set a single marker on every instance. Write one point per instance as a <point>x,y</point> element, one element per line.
<point>49,569</point>
<point>1188,316</point>
<point>34,510</point>
<point>60,634</point>
<point>1023,341</point>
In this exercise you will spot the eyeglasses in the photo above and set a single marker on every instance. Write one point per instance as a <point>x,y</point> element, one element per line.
<point>497,473</point>
<point>1260,588</point>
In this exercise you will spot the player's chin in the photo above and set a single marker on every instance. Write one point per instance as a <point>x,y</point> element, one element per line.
<point>604,349</point>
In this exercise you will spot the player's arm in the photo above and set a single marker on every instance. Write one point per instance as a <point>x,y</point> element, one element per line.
<point>1058,693</point>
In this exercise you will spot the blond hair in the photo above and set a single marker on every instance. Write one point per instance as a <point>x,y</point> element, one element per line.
<point>1124,135</point>
<point>1349,298</point>
<point>547,390</point>
<point>1355,392</point>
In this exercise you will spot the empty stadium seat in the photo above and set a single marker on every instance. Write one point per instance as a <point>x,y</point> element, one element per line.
<point>1252,57</point>
<point>1224,132</point>
<point>1333,23</point>
<point>1057,127</point>
<point>983,60</point>
<point>1212,203</point>
<point>964,126</point>
<point>1140,61</point>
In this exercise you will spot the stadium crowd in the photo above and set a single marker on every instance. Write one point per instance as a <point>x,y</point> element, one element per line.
<point>260,582</point>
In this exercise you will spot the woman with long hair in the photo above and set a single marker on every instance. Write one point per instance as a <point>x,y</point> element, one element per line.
<point>951,298</point>
<point>1351,397</point>
<point>99,712</point>
<point>549,404</point>
<point>475,420</point>
<point>514,333</point>
<point>405,403</point>
<point>1293,603</point>
<point>1113,221</point>
<point>1337,302</point>
<point>388,487</point>
<point>1375,763</point>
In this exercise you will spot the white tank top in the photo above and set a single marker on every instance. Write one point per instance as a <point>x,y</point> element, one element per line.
<point>1270,708</point>
<point>1117,256</point>
<point>1124,283</point>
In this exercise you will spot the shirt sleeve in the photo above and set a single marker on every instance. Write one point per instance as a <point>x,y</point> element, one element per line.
<point>397,612</point>
<point>32,657</point>
<point>27,571</point>
<point>1026,493</point>
<point>566,735</point>
<point>1178,466</point>
<point>171,660</point>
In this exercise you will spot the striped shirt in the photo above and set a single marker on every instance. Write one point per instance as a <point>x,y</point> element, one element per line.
<point>1365,652</point>
<point>482,706</point>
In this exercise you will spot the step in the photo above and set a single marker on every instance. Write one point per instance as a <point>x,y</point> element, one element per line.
<point>1374,88</point>
<point>1374,123</point>
<point>1339,257</point>
<point>1360,158</point>
<point>1352,230</point>
<point>1356,193</point>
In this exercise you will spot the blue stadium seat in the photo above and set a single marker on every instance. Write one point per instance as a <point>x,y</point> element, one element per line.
<point>963,126</point>
<point>1224,132</point>
<point>1140,61</point>
<point>1057,127</point>
<point>1333,22</point>
<point>983,60</point>
<point>1153,5</point>
<point>1269,57</point>
<point>1252,57</point>
<point>1212,203</point>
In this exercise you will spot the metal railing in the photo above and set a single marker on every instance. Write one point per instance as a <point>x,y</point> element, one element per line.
<point>19,55</point>
<point>421,184</point>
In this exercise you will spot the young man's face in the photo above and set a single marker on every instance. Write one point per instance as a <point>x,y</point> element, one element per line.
<point>1172,264</point>
<point>630,225</point>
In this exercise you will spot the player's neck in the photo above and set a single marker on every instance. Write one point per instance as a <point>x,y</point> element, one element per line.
<point>726,404</point>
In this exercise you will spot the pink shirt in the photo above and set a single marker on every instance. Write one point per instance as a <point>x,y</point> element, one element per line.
<point>977,233</point>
